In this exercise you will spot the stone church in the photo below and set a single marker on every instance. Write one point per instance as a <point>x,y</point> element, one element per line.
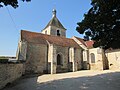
<point>51,52</point>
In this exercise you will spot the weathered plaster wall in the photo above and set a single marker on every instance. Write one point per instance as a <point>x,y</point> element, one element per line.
<point>113,59</point>
<point>53,51</point>
<point>78,58</point>
<point>53,31</point>
<point>85,54</point>
<point>75,59</point>
<point>51,59</point>
<point>64,53</point>
<point>46,31</point>
<point>98,65</point>
<point>9,73</point>
<point>21,51</point>
<point>36,58</point>
<point>69,56</point>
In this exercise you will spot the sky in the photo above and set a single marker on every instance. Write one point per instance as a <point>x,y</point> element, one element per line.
<point>34,16</point>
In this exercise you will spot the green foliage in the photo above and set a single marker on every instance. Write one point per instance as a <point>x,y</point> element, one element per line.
<point>102,23</point>
<point>13,3</point>
<point>3,57</point>
<point>3,60</point>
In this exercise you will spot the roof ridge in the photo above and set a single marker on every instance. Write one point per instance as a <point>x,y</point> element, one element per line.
<point>78,37</point>
<point>55,22</point>
<point>44,34</point>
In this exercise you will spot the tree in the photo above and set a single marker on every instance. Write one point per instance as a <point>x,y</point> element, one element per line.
<point>102,23</point>
<point>13,3</point>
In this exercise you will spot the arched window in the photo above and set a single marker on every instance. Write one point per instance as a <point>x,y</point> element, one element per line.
<point>92,57</point>
<point>59,62</point>
<point>58,32</point>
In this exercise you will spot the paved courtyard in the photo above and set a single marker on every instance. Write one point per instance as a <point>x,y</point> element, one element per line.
<point>81,80</point>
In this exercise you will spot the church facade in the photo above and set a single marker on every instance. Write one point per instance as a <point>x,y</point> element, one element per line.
<point>51,52</point>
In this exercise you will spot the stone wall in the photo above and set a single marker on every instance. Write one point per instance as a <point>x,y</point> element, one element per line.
<point>63,52</point>
<point>96,59</point>
<point>85,55</point>
<point>78,58</point>
<point>53,31</point>
<point>109,59</point>
<point>9,73</point>
<point>36,58</point>
<point>71,59</point>
<point>21,51</point>
<point>113,59</point>
<point>46,31</point>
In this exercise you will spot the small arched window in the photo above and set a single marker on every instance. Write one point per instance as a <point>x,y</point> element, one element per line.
<point>92,57</point>
<point>58,32</point>
<point>59,62</point>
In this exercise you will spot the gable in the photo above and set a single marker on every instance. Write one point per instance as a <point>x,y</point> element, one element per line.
<point>84,44</point>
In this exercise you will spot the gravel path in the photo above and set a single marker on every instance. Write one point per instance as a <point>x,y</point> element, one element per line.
<point>81,80</point>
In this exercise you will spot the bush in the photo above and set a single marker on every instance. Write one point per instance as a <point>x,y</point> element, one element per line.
<point>3,60</point>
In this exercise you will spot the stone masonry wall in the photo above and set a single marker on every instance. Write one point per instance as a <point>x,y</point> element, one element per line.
<point>113,59</point>
<point>78,58</point>
<point>9,73</point>
<point>53,31</point>
<point>36,58</point>
<point>64,52</point>
<point>98,64</point>
<point>66,57</point>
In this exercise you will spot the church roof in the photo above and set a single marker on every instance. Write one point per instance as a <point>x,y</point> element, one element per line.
<point>39,38</point>
<point>88,44</point>
<point>81,40</point>
<point>54,21</point>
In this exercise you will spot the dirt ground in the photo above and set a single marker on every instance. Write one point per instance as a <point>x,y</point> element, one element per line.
<point>81,80</point>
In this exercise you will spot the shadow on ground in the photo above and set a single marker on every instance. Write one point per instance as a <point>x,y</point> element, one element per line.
<point>109,81</point>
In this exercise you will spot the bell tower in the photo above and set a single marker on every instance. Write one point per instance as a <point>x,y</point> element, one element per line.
<point>54,27</point>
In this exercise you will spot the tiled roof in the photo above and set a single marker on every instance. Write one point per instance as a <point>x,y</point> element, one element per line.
<point>55,22</point>
<point>89,44</point>
<point>32,37</point>
<point>81,40</point>
<point>39,38</point>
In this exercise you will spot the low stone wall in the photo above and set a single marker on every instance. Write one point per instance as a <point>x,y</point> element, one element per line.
<point>9,73</point>
<point>96,66</point>
<point>113,58</point>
